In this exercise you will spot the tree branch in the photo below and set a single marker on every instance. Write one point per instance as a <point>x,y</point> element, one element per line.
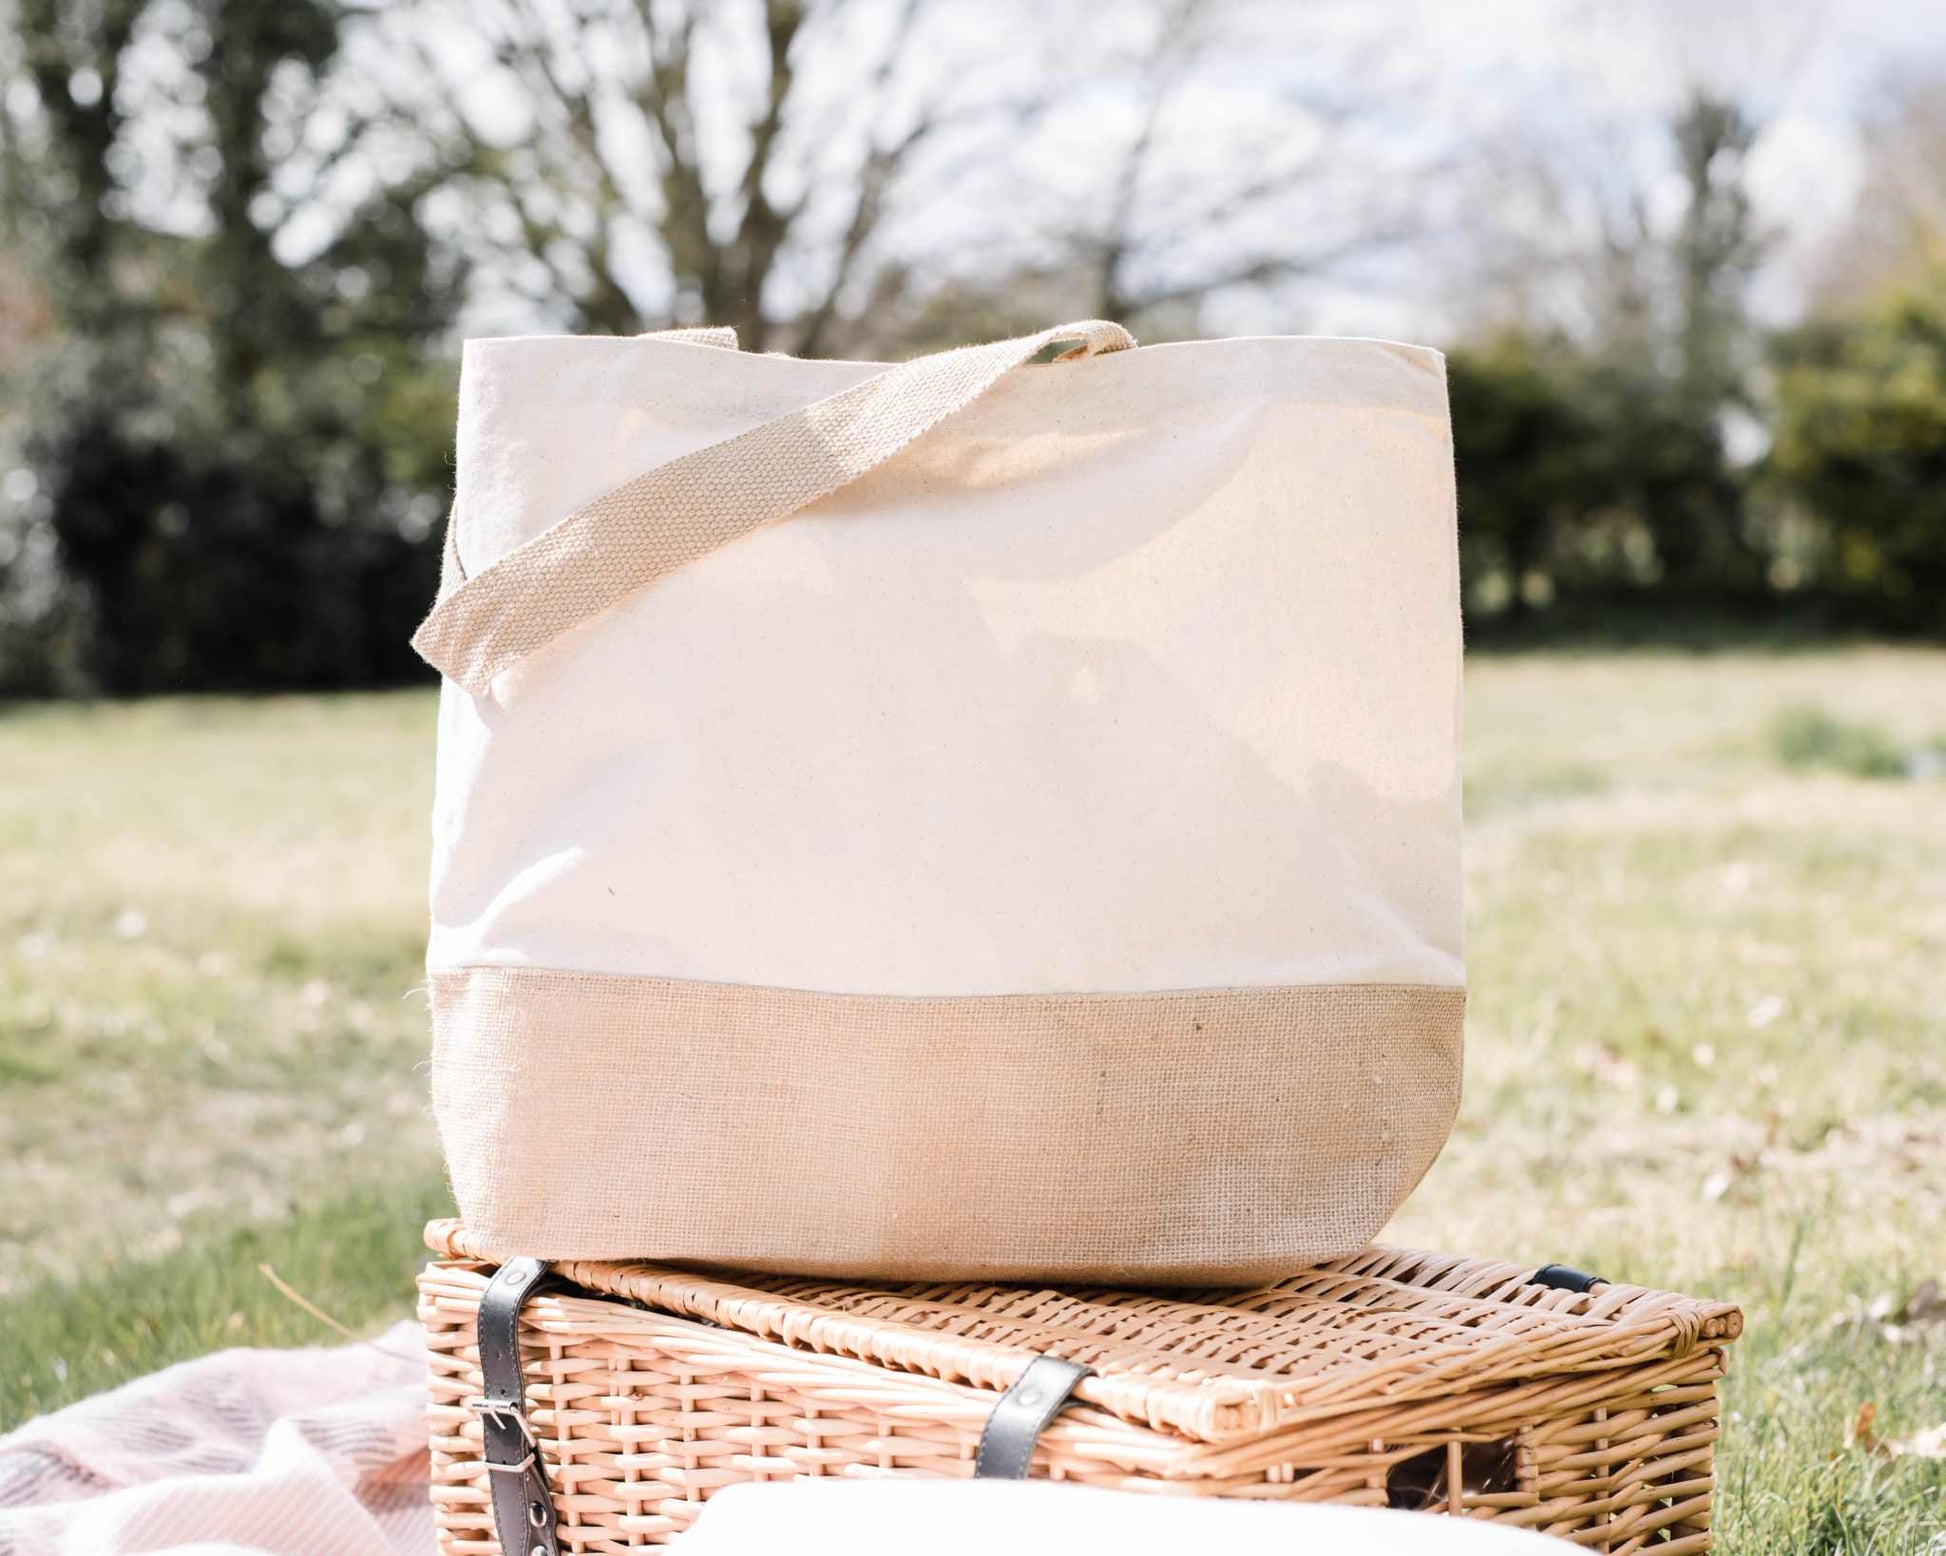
<point>762,227</point>
<point>876,175</point>
<point>1169,59</point>
<point>683,222</point>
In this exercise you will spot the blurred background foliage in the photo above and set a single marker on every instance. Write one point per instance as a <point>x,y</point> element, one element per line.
<point>243,240</point>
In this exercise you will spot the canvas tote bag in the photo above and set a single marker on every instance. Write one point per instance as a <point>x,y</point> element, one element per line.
<point>961,819</point>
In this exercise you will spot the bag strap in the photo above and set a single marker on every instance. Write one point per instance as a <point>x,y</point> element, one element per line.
<point>452,572</point>
<point>685,509</point>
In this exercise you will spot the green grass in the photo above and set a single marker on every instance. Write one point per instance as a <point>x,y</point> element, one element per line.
<point>1707,948</point>
<point>1810,736</point>
<point>211,925</point>
<point>352,1254</point>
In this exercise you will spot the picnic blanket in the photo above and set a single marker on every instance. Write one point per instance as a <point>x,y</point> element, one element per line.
<point>323,1453</point>
<point>271,1453</point>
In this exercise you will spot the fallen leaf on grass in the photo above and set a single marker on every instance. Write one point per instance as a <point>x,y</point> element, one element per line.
<point>1926,1305</point>
<point>1720,1182</point>
<point>1860,1434</point>
<point>1921,1315</point>
<point>1606,1064</point>
<point>1929,1444</point>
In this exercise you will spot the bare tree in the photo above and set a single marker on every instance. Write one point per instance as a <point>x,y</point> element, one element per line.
<point>1299,198</point>
<point>635,191</point>
<point>1897,235</point>
<point>808,170</point>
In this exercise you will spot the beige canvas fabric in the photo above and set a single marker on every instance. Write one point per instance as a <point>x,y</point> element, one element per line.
<point>848,776</point>
<point>628,538</point>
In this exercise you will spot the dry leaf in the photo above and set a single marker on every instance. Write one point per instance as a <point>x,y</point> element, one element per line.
<point>1926,1305</point>
<point>1860,1434</point>
<point>1607,1064</point>
<point>1929,1444</point>
<point>1720,1182</point>
<point>1921,1314</point>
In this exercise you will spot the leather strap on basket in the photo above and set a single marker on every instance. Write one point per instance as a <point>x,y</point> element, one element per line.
<point>523,1508</point>
<point>1039,1394</point>
<point>1564,1277</point>
<point>686,508</point>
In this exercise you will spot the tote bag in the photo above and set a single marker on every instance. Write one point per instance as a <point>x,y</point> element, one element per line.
<point>976,817</point>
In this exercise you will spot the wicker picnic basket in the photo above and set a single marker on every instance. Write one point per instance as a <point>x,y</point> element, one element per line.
<point>1390,1377</point>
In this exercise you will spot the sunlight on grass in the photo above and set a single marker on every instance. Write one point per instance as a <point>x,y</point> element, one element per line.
<point>352,1253</point>
<point>211,927</point>
<point>1808,736</point>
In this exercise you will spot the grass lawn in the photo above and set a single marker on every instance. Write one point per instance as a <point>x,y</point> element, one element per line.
<point>1707,1048</point>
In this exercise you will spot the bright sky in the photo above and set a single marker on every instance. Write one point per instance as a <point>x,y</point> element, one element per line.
<point>1616,69</point>
<point>1583,87</point>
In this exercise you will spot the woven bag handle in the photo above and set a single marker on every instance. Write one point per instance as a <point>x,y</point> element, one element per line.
<point>688,507</point>
<point>451,572</point>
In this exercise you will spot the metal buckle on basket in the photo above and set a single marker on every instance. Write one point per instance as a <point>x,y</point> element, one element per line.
<point>501,1411</point>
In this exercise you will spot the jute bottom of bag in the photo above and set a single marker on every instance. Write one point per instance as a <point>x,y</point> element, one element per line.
<point>1217,1135</point>
<point>1454,1385</point>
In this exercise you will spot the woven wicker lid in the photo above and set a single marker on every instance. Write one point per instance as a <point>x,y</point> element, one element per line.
<point>1382,1328</point>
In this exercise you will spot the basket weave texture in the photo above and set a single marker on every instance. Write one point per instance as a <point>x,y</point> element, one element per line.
<point>1390,1377</point>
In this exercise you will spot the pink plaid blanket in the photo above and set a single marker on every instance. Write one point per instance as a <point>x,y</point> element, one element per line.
<point>273,1453</point>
